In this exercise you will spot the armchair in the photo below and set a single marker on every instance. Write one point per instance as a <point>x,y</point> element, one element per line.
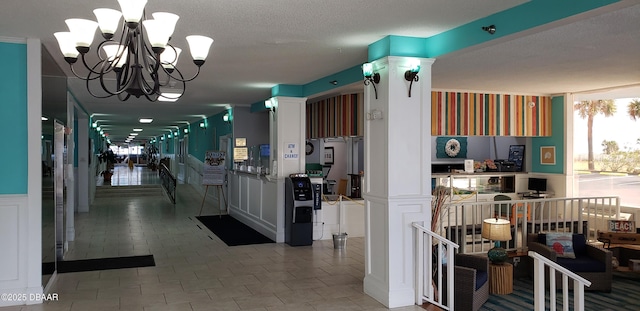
<point>592,263</point>
<point>471,282</point>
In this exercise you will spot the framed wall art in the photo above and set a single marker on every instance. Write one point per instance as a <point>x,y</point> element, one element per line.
<point>328,155</point>
<point>548,155</point>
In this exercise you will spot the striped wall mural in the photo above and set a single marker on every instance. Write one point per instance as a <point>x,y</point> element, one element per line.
<point>477,114</point>
<point>336,116</point>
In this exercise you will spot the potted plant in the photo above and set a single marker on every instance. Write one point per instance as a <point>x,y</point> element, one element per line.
<point>109,158</point>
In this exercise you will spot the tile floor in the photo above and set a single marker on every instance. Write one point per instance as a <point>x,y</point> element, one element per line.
<point>194,269</point>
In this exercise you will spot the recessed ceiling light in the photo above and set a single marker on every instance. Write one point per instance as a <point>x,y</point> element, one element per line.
<point>143,120</point>
<point>137,130</point>
<point>133,134</point>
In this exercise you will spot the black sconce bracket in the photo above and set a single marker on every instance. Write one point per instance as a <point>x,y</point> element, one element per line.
<point>375,79</point>
<point>411,76</point>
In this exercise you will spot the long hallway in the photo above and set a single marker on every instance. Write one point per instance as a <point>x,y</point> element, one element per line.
<point>194,269</point>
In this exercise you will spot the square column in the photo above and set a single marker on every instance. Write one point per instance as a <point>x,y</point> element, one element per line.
<point>287,140</point>
<point>398,177</point>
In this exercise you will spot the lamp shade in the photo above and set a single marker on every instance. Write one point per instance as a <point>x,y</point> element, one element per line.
<point>83,30</point>
<point>157,33</point>
<point>67,44</point>
<point>496,229</point>
<point>108,20</point>
<point>367,69</point>
<point>199,46</point>
<point>414,66</point>
<point>132,10</point>
<point>116,51</point>
<point>169,58</point>
<point>169,20</point>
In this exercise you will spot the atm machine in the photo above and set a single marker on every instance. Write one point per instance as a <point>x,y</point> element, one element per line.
<point>301,198</point>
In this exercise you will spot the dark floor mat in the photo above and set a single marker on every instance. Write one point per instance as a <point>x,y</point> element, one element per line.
<point>99,264</point>
<point>233,232</point>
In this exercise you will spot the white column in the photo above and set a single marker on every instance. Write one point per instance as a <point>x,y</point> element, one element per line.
<point>83,164</point>
<point>397,178</point>
<point>286,128</point>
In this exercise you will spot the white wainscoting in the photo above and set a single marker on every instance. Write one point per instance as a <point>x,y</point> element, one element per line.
<point>326,221</point>
<point>10,220</point>
<point>253,200</point>
<point>17,247</point>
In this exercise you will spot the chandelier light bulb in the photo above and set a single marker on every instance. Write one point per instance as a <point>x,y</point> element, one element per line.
<point>157,34</point>
<point>116,52</point>
<point>169,58</point>
<point>132,11</point>
<point>67,45</point>
<point>168,20</point>
<point>199,47</point>
<point>108,21</point>
<point>83,31</point>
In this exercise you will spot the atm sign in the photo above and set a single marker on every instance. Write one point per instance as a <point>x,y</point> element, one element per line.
<point>622,226</point>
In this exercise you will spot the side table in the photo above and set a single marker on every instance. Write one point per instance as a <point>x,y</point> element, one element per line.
<point>501,278</point>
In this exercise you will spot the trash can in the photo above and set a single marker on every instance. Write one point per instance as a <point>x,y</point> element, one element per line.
<point>339,240</point>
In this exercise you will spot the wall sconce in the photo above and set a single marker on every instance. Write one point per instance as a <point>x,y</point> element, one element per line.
<point>269,105</point>
<point>412,73</point>
<point>491,29</point>
<point>161,137</point>
<point>225,117</point>
<point>186,130</point>
<point>370,76</point>
<point>202,125</point>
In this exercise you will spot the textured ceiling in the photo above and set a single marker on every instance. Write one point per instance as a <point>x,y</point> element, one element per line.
<point>259,44</point>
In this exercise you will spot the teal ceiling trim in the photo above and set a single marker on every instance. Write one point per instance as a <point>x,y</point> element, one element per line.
<point>398,46</point>
<point>257,107</point>
<point>342,78</point>
<point>528,15</point>
<point>287,90</point>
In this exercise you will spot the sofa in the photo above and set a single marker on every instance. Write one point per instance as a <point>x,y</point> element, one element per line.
<point>590,262</point>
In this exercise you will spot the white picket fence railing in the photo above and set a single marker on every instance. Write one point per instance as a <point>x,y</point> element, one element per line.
<point>539,292</point>
<point>459,230</point>
<point>461,222</point>
<point>426,282</point>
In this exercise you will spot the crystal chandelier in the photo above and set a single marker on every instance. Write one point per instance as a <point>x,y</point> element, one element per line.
<point>142,62</point>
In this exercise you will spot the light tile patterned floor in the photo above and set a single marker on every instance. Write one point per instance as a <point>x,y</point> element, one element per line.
<point>194,269</point>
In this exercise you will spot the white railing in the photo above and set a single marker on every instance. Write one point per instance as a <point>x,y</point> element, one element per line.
<point>461,222</point>
<point>539,293</point>
<point>426,282</point>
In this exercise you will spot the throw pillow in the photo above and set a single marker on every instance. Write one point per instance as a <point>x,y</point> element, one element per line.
<point>561,243</point>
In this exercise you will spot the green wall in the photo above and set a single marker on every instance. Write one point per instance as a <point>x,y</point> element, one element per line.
<point>556,139</point>
<point>13,119</point>
<point>203,140</point>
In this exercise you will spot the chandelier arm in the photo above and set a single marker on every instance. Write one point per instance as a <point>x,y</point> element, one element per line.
<point>95,95</point>
<point>146,87</point>
<point>125,97</point>
<point>181,78</point>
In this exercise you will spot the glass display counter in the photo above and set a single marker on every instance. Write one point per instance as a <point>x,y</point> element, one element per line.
<point>257,160</point>
<point>477,183</point>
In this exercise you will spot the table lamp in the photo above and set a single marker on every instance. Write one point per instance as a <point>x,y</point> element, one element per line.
<point>497,230</point>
